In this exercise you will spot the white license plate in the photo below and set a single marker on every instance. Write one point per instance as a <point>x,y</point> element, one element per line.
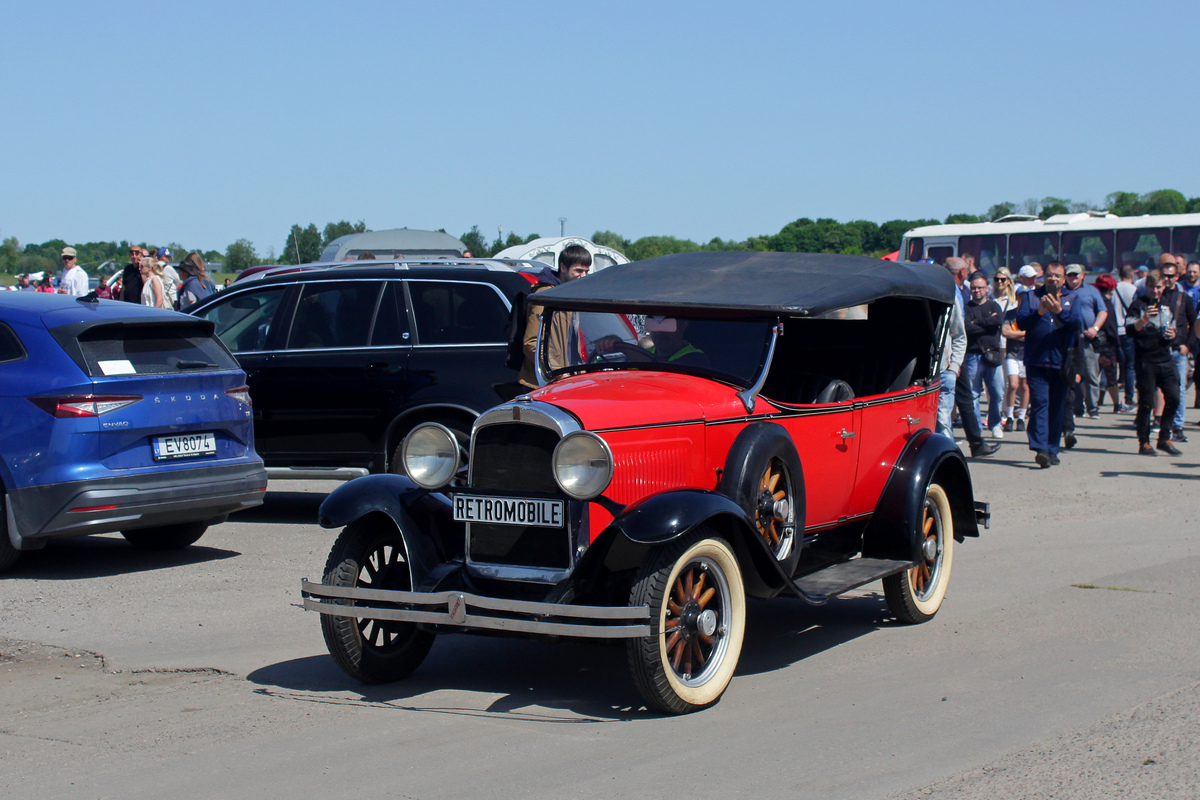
<point>509,511</point>
<point>185,446</point>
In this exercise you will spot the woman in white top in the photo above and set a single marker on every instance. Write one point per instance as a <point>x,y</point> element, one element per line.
<point>152,285</point>
<point>1016,389</point>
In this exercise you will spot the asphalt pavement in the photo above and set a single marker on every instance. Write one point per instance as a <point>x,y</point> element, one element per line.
<point>1064,663</point>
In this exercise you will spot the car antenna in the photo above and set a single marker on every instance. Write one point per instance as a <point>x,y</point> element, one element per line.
<point>90,297</point>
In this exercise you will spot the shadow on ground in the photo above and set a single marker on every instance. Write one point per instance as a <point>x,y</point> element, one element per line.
<point>86,557</point>
<point>590,682</point>
<point>284,508</point>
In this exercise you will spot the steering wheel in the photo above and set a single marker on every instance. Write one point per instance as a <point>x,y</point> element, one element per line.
<point>623,348</point>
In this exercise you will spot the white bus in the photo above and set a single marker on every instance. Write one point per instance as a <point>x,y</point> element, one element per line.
<point>1101,242</point>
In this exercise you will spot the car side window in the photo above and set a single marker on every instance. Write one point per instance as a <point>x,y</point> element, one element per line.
<point>11,348</point>
<point>451,312</point>
<point>391,321</point>
<point>334,315</point>
<point>244,320</point>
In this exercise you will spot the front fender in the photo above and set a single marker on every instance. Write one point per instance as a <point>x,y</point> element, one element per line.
<point>927,457</point>
<point>424,518</point>
<point>663,517</point>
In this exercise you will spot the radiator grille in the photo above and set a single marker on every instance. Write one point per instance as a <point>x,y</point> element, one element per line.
<point>516,458</point>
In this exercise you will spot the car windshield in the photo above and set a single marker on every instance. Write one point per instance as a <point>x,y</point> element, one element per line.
<point>725,349</point>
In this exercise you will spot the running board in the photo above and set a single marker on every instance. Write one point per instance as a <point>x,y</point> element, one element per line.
<point>819,587</point>
<point>315,473</point>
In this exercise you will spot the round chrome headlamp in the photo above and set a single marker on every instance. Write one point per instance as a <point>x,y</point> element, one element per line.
<point>430,455</point>
<point>583,465</point>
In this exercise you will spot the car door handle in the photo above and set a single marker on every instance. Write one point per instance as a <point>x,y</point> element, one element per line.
<point>911,420</point>
<point>848,434</point>
<point>382,368</point>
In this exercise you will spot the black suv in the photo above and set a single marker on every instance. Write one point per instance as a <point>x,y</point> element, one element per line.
<point>343,361</point>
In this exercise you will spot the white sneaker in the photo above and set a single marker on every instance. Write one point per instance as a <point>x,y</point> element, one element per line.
<point>998,431</point>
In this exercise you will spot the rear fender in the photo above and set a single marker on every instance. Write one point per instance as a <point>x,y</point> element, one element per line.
<point>928,457</point>
<point>424,518</point>
<point>664,517</point>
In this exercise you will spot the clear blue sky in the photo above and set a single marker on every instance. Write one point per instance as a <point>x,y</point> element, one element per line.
<point>203,123</point>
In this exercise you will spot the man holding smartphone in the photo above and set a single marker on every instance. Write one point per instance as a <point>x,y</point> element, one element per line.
<point>1152,325</point>
<point>1050,320</point>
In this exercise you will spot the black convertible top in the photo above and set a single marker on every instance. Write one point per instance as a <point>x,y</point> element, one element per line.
<point>750,284</point>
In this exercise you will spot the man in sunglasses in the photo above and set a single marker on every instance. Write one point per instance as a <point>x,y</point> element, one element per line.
<point>74,281</point>
<point>1183,312</point>
<point>131,277</point>
<point>1051,322</point>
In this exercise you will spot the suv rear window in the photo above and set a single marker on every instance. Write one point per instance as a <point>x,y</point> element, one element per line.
<point>151,350</point>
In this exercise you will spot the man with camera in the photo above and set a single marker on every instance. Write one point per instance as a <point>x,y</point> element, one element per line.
<point>1152,325</point>
<point>1051,323</point>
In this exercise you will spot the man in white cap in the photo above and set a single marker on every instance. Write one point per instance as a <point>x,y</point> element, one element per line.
<point>74,280</point>
<point>1026,279</point>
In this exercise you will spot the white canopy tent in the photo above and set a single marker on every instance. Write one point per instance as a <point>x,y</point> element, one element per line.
<point>547,249</point>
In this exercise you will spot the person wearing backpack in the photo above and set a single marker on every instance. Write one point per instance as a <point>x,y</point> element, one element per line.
<point>574,262</point>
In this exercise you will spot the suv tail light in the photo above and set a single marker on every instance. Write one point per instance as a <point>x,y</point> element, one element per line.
<point>84,405</point>
<point>241,393</point>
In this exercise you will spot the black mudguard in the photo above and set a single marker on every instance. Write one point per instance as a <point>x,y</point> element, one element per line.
<point>663,517</point>
<point>928,456</point>
<point>424,518</point>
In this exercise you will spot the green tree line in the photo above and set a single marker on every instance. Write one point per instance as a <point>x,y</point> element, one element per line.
<point>305,243</point>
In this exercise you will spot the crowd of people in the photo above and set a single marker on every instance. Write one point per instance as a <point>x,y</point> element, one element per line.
<point>149,279</point>
<point>1046,347</point>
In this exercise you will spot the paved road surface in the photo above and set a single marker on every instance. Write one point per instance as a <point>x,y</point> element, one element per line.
<point>195,674</point>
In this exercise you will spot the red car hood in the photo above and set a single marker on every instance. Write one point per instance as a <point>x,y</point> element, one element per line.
<point>627,398</point>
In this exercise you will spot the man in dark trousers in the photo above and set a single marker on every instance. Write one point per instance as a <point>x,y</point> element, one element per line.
<point>1183,312</point>
<point>1050,320</point>
<point>1151,324</point>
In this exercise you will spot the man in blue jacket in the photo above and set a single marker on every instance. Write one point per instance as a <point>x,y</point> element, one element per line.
<point>1051,323</point>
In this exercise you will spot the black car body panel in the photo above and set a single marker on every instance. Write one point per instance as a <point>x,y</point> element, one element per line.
<point>343,361</point>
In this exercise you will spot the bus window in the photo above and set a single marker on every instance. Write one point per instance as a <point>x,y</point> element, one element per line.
<point>989,251</point>
<point>939,254</point>
<point>1093,249</point>
<point>1025,248</point>
<point>1186,241</point>
<point>1142,246</point>
<point>916,249</point>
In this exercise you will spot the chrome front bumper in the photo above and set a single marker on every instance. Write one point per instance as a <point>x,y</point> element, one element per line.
<point>476,612</point>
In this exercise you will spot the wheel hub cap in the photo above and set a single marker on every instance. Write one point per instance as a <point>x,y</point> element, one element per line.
<point>706,623</point>
<point>782,508</point>
<point>929,549</point>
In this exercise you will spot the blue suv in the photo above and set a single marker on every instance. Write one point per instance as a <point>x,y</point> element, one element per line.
<point>118,417</point>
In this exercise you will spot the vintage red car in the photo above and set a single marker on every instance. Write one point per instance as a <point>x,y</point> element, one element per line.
<point>716,426</point>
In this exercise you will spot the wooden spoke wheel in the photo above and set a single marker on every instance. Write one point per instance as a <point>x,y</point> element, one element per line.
<point>775,509</point>
<point>370,554</point>
<point>916,594</point>
<point>698,615</point>
<point>764,477</point>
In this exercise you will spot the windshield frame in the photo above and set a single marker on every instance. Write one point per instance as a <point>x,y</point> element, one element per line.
<point>746,381</point>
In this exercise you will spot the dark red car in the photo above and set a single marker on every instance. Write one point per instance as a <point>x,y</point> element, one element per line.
<point>712,426</point>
